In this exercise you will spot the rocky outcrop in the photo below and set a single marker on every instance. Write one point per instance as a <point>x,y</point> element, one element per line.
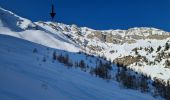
<point>128,60</point>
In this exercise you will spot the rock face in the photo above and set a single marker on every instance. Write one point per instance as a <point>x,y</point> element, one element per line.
<point>128,60</point>
<point>129,36</point>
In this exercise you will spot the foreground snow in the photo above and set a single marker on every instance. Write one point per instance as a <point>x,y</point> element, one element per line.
<point>25,77</point>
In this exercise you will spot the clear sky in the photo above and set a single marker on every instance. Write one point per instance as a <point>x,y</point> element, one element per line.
<point>97,14</point>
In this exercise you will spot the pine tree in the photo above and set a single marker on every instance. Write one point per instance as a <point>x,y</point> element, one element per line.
<point>54,55</point>
<point>82,64</point>
<point>44,59</point>
<point>76,64</point>
<point>136,51</point>
<point>151,50</point>
<point>167,95</point>
<point>158,49</point>
<point>66,59</point>
<point>35,50</point>
<point>144,84</point>
<point>166,46</point>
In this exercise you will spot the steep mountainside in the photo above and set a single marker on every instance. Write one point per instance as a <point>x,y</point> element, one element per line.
<point>25,75</point>
<point>145,50</point>
<point>55,58</point>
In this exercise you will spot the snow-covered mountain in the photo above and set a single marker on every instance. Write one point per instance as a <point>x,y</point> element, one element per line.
<point>145,50</point>
<point>36,57</point>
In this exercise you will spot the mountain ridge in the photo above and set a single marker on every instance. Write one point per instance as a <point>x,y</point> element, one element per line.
<point>114,45</point>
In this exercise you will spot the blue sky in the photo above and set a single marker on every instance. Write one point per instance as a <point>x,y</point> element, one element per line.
<point>97,14</point>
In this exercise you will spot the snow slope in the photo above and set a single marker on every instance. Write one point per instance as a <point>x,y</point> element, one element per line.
<point>25,77</point>
<point>13,25</point>
<point>28,71</point>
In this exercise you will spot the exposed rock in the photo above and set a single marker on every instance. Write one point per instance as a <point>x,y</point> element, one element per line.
<point>158,37</point>
<point>95,48</point>
<point>128,60</point>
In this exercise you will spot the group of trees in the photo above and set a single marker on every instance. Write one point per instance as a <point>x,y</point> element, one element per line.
<point>125,76</point>
<point>81,64</point>
<point>65,59</point>
<point>161,88</point>
<point>167,93</point>
<point>128,79</point>
<point>102,70</point>
<point>167,46</point>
